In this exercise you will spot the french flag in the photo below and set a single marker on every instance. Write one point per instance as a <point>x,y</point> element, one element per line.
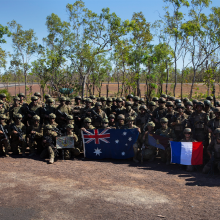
<point>186,153</point>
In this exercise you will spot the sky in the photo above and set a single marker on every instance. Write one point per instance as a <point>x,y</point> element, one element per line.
<point>32,13</point>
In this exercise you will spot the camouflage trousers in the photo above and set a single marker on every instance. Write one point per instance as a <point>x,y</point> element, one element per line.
<point>165,155</point>
<point>68,153</point>
<point>148,153</point>
<point>18,146</point>
<point>4,147</point>
<point>209,165</point>
<point>47,152</point>
<point>36,144</point>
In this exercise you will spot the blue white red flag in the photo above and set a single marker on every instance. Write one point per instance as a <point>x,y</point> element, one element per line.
<point>109,143</point>
<point>186,153</point>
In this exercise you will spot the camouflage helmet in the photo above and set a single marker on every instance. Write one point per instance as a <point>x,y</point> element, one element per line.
<point>111,116</point>
<point>62,98</point>
<point>185,99</point>
<point>217,109</point>
<point>33,98</point>
<point>121,117</point>
<point>109,99</point>
<point>119,100</point>
<point>141,100</point>
<point>48,127</point>
<point>36,117</point>
<point>1,102</point>
<point>207,102</point>
<point>163,96</point>
<point>130,118</point>
<point>51,115</point>
<point>105,120</point>
<point>128,103</point>
<point>37,94</point>
<point>16,98</point>
<point>172,98</point>
<point>187,130</point>
<point>84,99</point>
<point>103,98</point>
<point>162,100</point>
<point>151,103</point>
<point>92,97</point>
<point>143,107</point>
<point>98,99</point>
<point>98,104</point>
<point>130,96</point>
<point>70,126</point>
<point>68,99</point>
<point>89,100</point>
<point>217,131</point>
<point>123,98</point>
<point>209,98</point>
<point>2,116</point>
<point>178,101</point>
<point>151,124</point>
<point>69,117</point>
<point>163,120</point>
<point>195,101</point>
<point>50,100</point>
<point>78,97</point>
<point>2,95</point>
<point>199,104</point>
<point>189,103</point>
<point>87,120</point>
<point>155,99</point>
<point>47,96</point>
<point>136,98</point>
<point>113,99</point>
<point>217,103</point>
<point>21,94</point>
<point>169,103</point>
<point>180,105</point>
<point>18,115</point>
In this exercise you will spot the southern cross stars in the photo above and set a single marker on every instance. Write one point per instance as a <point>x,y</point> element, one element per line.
<point>124,133</point>
<point>97,151</point>
<point>116,141</point>
<point>122,153</point>
<point>130,138</point>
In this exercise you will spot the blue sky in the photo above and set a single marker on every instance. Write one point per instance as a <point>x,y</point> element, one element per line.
<point>33,13</point>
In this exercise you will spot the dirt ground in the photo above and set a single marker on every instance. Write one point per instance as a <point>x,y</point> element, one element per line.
<point>113,89</point>
<point>106,189</point>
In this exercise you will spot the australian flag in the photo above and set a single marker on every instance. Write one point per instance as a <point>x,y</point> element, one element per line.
<point>109,143</point>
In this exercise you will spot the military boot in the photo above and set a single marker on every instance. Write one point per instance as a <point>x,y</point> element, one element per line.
<point>51,161</point>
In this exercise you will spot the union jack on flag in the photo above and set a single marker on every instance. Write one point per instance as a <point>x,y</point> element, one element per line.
<point>109,143</point>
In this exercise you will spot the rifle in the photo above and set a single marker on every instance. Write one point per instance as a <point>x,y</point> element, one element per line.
<point>63,114</point>
<point>32,113</point>
<point>97,115</point>
<point>5,132</point>
<point>50,141</point>
<point>57,130</point>
<point>20,133</point>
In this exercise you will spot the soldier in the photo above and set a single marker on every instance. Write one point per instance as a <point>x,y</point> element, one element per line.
<point>4,140</point>
<point>112,121</point>
<point>51,121</point>
<point>108,106</point>
<point>195,101</point>
<point>123,101</point>
<point>68,104</point>
<point>159,112</point>
<point>129,111</point>
<point>4,110</point>
<point>208,109</point>
<point>40,103</point>
<point>143,117</point>
<point>3,98</point>
<point>170,112</point>
<point>172,99</point>
<point>185,100</point>
<point>76,110</point>
<point>188,109</point>
<point>165,131</point>
<point>210,98</point>
<point>62,112</point>
<point>214,123</point>
<point>97,115</point>
<point>164,96</point>
<point>120,109</point>
<point>87,125</point>
<point>152,107</point>
<point>35,132</point>
<point>86,111</point>
<point>136,104</point>
<point>141,102</point>
<point>114,105</point>
<point>18,135</point>
<point>213,151</point>
<point>130,98</point>
<point>47,110</point>
<point>188,138</point>
<point>177,101</point>
<point>120,121</point>
<point>103,101</point>
<point>92,97</point>
<point>179,122</point>
<point>49,144</point>
<point>47,96</point>
<point>155,99</point>
<point>105,124</point>
<point>22,103</point>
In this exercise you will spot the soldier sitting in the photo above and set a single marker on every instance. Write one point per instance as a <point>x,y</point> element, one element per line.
<point>120,122</point>
<point>97,115</point>
<point>4,143</point>
<point>143,117</point>
<point>112,120</point>
<point>129,111</point>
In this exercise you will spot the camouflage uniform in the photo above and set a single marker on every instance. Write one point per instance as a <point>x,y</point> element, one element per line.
<point>136,105</point>
<point>143,117</point>
<point>129,111</point>
<point>47,110</point>
<point>97,116</point>
<point>13,110</point>
<point>4,144</point>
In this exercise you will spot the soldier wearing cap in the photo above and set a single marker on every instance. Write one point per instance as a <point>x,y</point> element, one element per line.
<point>14,109</point>
<point>108,106</point>
<point>213,151</point>
<point>97,115</point>
<point>129,111</point>
<point>18,135</point>
<point>4,144</point>
<point>143,117</point>
<point>159,112</point>
<point>188,109</point>
<point>49,139</point>
<point>35,134</point>
<point>179,121</point>
<point>112,121</point>
<point>120,121</point>
<point>33,107</point>
<point>3,98</point>
<point>86,111</point>
<point>136,104</point>
<point>47,110</point>
<point>165,131</point>
<point>62,108</point>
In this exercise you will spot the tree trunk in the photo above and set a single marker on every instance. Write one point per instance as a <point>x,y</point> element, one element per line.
<point>167,78</point>
<point>194,76</point>
<point>25,84</point>
<point>107,91</point>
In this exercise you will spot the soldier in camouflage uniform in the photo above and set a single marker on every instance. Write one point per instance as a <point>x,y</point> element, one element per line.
<point>152,107</point>
<point>167,132</point>
<point>105,124</point>
<point>35,132</point>
<point>14,109</point>
<point>120,122</point>
<point>130,98</point>
<point>35,108</point>
<point>136,104</point>
<point>195,101</point>
<point>170,112</point>
<point>143,117</point>
<point>76,110</point>
<point>48,148</point>
<point>114,105</point>
<point>47,110</point>
<point>213,151</point>
<point>39,102</point>
<point>185,100</point>
<point>208,109</point>
<point>172,99</point>
<point>108,106</point>
<point>92,97</point>
<point>188,109</point>
<point>179,122</point>
<point>129,111</point>
<point>155,100</point>
<point>112,121</point>
<point>86,111</point>
<point>3,110</point>
<point>97,115</point>
<point>4,144</point>
<point>52,118</point>
<point>103,101</point>
<point>120,108</point>
<point>3,98</point>
<point>16,140</point>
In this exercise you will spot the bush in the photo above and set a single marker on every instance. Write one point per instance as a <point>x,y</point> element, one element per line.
<point>8,96</point>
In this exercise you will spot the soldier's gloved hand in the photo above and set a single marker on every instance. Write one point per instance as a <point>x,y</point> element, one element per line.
<point>83,129</point>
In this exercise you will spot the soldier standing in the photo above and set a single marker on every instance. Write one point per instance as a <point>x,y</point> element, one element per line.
<point>129,111</point>
<point>4,142</point>
<point>188,109</point>
<point>97,115</point>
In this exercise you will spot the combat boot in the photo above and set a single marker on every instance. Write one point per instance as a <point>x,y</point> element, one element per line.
<point>32,154</point>
<point>51,161</point>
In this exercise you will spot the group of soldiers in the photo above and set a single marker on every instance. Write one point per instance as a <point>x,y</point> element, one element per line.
<point>37,124</point>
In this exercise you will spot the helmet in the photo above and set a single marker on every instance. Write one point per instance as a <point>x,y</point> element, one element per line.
<point>33,98</point>
<point>2,116</point>
<point>92,97</point>
<point>62,98</point>
<point>68,99</point>
<point>172,98</point>
<point>136,98</point>
<point>78,97</point>
<point>47,96</point>
<point>51,115</point>
<point>104,120</point>
<point>103,98</point>
<point>84,99</point>
<point>36,117</point>
<point>113,99</point>
<point>98,104</point>
<point>130,118</point>
<point>98,99</point>
<point>151,124</point>
<point>143,107</point>
<point>89,100</point>
<point>87,120</point>
<point>128,103</point>
<point>162,100</point>
<point>178,101</point>
<point>180,105</point>
<point>109,99</point>
<point>112,116</point>
<point>195,101</point>
<point>169,103</point>
<point>141,100</point>
<point>185,99</point>
<point>209,98</point>
<point>2,95</point>
<point>48,127</point>
<point>207,102</point>
<point>119,100</point>
<point>218,103</point>
<point>217,109</point>
<point>130,96</point>
<point>155,99</point>
<point>200,103</point>
<point>151,103</point>
<point>18,116</point>
<point>189,103</point>
<point>123,98</point>
<point>70,126</point>
<point>217,131</point>
<point>187,130</point>
<point>50,100</point>
<point>37,94</point>
<point>70,117</point>
<point>16,98</point>
<point>21,94</point>
<point>121,117</point>
<point>163,120</point>
<point>163,96</point>
<point>1,102</point>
